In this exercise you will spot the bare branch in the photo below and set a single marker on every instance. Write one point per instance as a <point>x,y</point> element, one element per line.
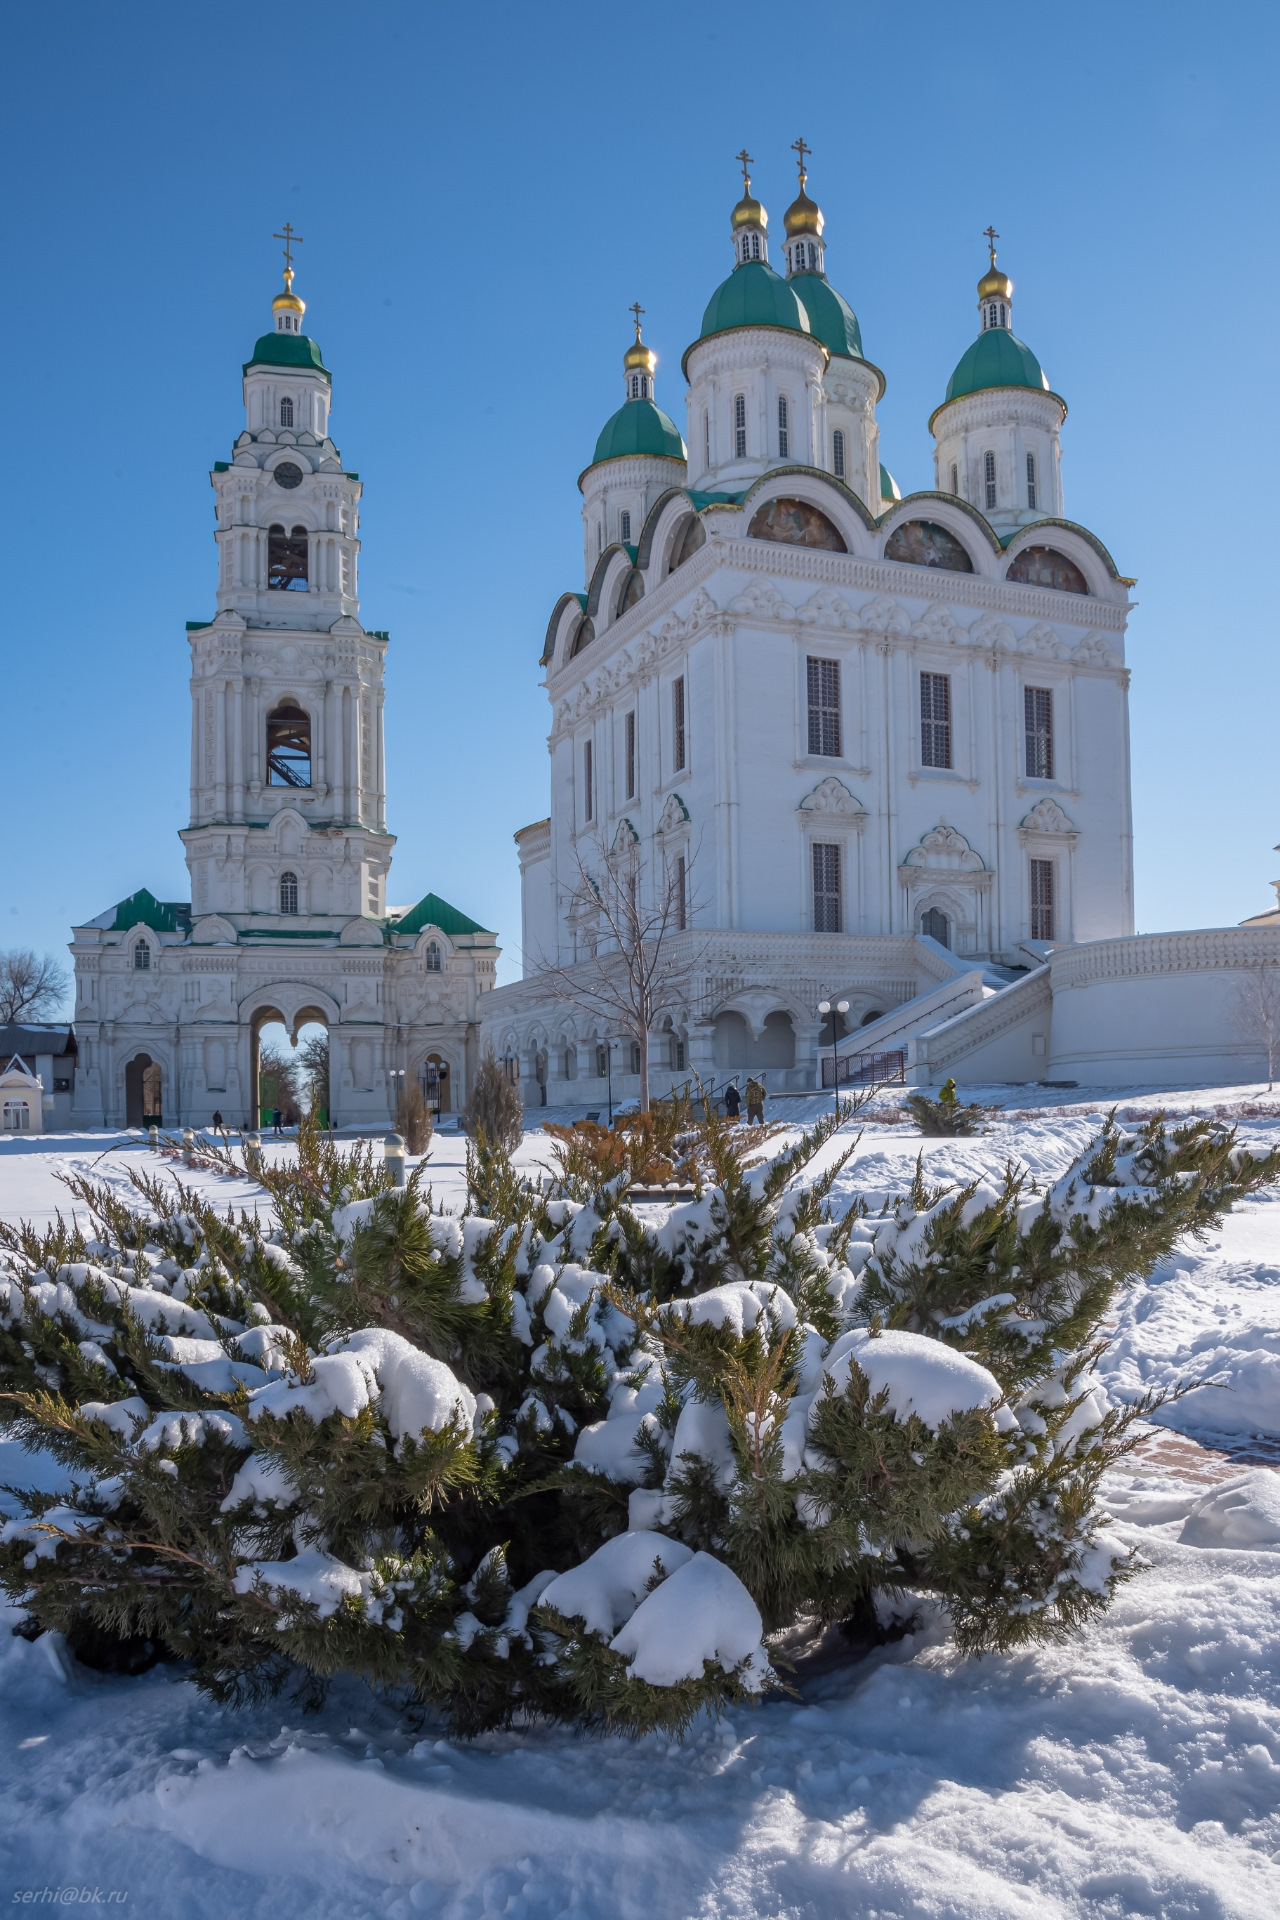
<point>32,986</point>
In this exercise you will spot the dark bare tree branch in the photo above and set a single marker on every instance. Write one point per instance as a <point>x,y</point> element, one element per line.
<point>32,986</point>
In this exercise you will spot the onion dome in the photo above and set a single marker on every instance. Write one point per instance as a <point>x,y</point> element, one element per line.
<point>754,296</point>
<point>286,345</point>
<point>889,488</point>
<point>748,212</point>
<point>997,357</point>
<point>803,216</point>
<point>831,319</point>
<point>639,427</point>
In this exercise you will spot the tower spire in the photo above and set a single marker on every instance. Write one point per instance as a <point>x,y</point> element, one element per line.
<point>638,362</point>
<point>749,221</point>
<point>287,309</point>
<point>803,223</point>
<point>995,289</point>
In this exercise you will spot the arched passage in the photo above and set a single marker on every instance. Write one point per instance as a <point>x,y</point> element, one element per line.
<point>289,1063</point>
<point>143,1092</point>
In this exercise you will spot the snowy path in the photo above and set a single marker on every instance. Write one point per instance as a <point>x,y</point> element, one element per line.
<point>1133,1772</point>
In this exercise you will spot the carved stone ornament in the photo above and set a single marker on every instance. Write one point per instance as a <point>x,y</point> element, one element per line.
<point>886,617</point>
<point>625,838</point>
<point>213,931</point>
<point>1047,817</point>
<point>675,815</point>
<point>991,631</point>
<point>1045,642</point>
<point>944,852</point>
<point>827,608</point>
<point>832,798</point>
<point>1095,650</point>
<point>762,601</point>
<point>937,626</point>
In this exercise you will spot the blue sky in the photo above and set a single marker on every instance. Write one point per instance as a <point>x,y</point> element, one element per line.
<point>483,192</point>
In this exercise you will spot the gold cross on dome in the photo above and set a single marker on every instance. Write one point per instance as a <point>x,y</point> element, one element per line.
<point>636,309</point>
<point>291,240</point>
<point>745,160</point>
<point>798,147</point>
<point>990,235</point>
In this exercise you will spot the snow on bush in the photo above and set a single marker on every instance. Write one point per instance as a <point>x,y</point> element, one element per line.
<point>563,1455</point>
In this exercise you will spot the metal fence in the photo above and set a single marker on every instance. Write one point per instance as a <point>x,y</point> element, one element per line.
<point>865,1069</point>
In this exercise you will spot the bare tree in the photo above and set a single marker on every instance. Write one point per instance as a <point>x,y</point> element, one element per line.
<point>313,1060</point>
<point>494,1107</point>
<point>1256,1014</point>
<point>632,917</point>
<point>31,985</point>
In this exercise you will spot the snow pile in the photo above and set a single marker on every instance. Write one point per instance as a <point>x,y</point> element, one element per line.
<point>313,1576</point>
<point>1240,1513</point>
<point>605,1590</point>
<point>923,1377</point>
<point>702,1612</point>
<point>416,1392</point>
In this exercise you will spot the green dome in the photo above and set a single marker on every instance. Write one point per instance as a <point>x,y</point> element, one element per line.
<point>889,488</point>
<point>754,296</point>
<point>831,319</point>
<point>639,427</point>
<point>287,350</point>
<point>997,358</point>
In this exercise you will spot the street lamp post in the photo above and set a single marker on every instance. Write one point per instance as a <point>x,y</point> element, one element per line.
<point>609,1046</point>
<point>396,1075</point>
<point>825,1008</point>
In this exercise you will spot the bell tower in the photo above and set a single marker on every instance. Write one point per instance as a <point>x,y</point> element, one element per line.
<point>288,792</point>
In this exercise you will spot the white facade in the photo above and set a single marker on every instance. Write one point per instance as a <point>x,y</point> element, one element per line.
<point>888,752</point>
<point>287,843</point>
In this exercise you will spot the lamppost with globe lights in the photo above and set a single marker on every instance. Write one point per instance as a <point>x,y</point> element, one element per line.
<point>826,1008</point>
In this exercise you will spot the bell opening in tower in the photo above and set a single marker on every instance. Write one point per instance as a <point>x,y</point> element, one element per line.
<point>288,748</point>
<point>287,559</point>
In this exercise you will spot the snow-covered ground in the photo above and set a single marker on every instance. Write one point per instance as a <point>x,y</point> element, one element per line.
<point>1133,1772</point>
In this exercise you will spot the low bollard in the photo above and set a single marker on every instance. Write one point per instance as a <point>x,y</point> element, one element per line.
<point>153,1135</point>
<point>393,1153</point>
<point>189,1145</point>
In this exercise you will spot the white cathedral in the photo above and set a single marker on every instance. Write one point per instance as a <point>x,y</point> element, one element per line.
<point>287,846</point>
<point>888,736</point>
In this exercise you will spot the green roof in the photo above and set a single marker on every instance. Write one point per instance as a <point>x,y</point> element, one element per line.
<point>997,358</point>
<point>287,350</point>
<point>754,296</point>
<point>831,319</point>
<point>639,427</point>
<point>142,908</point>
<point>889,488</point>
<point>432,911</point>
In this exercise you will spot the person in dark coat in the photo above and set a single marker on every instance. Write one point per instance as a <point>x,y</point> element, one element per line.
<point>755,1102</point>
<point>732,1100</point>
<point>217,1121</point>
<point>275,1119</point>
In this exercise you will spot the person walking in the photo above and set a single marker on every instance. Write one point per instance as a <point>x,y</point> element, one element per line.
<point>732,1101</point>
<point>755,1102</point>
<point>217,1120</point>
<point>275,1120</point>
<point>947,1097</point>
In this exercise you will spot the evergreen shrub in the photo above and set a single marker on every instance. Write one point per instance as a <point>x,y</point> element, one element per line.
<point>570,1454</point>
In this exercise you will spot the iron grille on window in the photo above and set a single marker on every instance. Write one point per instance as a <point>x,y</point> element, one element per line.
<point>955,478</point>
<point>626,529</point>
<point>288,893</point>
<point>142,957</point>
<point>1031,481</point>
<point>837,452</point>
<point>433,957</point>
<point>826,887</point>
<point>935,719</point>
<point>286,413</point>
<point>784,437</point>
<point>824,707</point>
<point>740,426</point>
<point>1042,900</point>
<point>677,723</point>
<point>989,473</point>
<point>1038,707</point>
<point>629,727</point>
<point>680,887</point>
<point>935,926</point>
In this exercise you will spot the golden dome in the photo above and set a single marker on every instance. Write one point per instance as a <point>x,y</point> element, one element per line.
<point>748,212</point>
<point>803,216</point>
<point>638,358</point>
<point>288,301</point>
<point>995,285</point>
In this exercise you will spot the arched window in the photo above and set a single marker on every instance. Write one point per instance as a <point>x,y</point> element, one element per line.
<point>624,528</point>
<point>1046,567</point>
<point>706,437</point>
<point>989,477</point>
<point>142,958</point>
<point>955,478</point>
<point>585,634</point>
<point>286,558</point>
<point>288,749</point>
<point>935,925</point>
<point>813,258</point>
<point>286,412</point>
<point>635,386</point>
<point>17,1116</point>
<point>432,961</point>
<point>784,432</point>
<point>694,536</point>
<point>837,452</point>
<point>922,543</point>
<point>288,893</point>
<point>1031,481</point>
<point>740,426</point>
